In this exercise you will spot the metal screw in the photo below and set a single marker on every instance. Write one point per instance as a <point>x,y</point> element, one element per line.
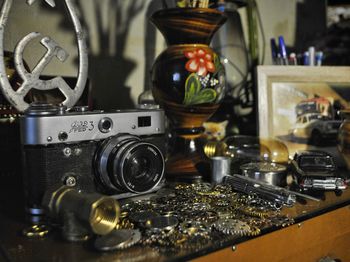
<point>49,139</point>
<point>62,136</point>
<point>70,181</point>
<point>67,151</point>
<point>300,224</point>
<point>234,248</point>
<point>77,151</point>
<point>133,127</point>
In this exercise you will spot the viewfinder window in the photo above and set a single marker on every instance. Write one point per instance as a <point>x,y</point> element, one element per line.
<point>144,121</point>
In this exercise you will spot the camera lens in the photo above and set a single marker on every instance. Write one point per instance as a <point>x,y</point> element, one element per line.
<point>140,167</point>
<point>125,163</point>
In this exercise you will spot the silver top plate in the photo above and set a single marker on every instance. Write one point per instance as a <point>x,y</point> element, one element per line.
<point>86,126</point>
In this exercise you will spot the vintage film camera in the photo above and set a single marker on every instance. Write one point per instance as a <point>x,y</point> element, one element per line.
<point>94,151</point>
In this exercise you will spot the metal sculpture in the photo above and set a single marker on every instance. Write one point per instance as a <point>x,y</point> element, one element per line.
<point>31,80</point>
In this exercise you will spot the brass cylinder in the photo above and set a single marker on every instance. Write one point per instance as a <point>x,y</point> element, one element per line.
<point>214,148</point>
<point>100,214</point>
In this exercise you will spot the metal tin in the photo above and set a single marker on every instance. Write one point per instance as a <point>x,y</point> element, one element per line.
<point>221,167</point>
<point>271,173</point>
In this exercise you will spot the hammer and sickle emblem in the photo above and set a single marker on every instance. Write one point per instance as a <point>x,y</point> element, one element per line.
<point>32,79</point>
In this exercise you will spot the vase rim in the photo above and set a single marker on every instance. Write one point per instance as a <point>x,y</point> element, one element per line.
<point>176,10</point>
<point>176,24</point>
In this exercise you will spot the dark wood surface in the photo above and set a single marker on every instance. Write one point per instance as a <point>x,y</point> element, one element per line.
<point>323,236</point>
<point>15,247</point>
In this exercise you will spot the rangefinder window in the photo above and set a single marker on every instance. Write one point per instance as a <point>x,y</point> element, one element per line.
<point>144,121</point>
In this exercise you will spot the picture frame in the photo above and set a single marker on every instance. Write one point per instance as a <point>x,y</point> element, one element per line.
<point>297,103</point>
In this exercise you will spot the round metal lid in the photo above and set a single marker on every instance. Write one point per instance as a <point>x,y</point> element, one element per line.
<point>117,239</point>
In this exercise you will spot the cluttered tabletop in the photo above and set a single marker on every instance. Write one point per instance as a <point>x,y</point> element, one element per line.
<point>151,184</point>
<point>178,222</point>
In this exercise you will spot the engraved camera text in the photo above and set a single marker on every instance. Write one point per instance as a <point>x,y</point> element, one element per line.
<point>82,126</point>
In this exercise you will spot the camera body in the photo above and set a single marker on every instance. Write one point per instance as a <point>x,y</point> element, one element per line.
<point>93,151</point>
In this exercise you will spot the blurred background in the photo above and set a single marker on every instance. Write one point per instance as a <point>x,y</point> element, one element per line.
<point>123,43</point>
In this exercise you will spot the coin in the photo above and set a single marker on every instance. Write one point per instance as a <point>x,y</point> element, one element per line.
<point>142,216</point>
<point>117,239</point>
<point>162,223</point>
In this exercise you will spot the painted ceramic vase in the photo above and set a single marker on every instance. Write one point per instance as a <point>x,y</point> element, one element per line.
<point>344,137</point>
<point>188,82</point>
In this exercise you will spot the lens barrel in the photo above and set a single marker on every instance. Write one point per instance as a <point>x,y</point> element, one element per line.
<point>125,163</point>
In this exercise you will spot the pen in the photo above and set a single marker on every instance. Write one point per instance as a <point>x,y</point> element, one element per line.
<point>283,50</point>
<point>293,59</point>
<point>306,58</point>
<point>311,56</point>
<point>319,58</point>
<point>300,59</point>
<point>274,51</point>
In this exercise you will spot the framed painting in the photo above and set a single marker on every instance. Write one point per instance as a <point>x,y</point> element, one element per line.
<point>301,105</point>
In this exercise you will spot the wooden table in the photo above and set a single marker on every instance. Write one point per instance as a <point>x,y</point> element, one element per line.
<point>321,229</point>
